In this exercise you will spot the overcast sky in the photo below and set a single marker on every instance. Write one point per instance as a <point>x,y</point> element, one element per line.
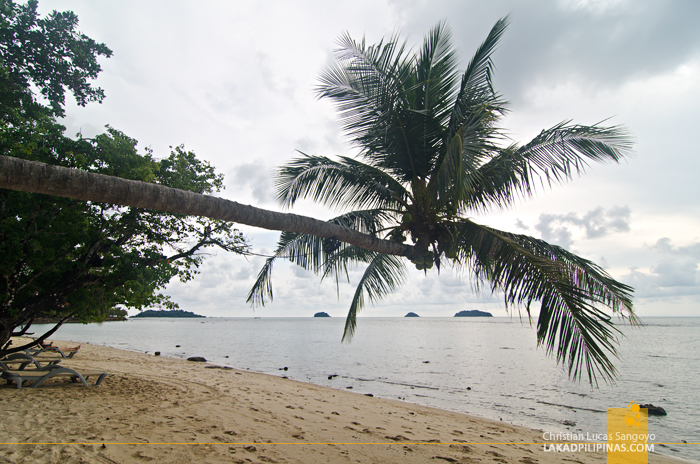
<point>233,81</point>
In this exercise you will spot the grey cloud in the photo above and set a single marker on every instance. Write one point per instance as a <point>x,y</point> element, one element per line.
<point>664,280</point>
<point>245,272</point>
<point>568,39</point>
<point>665,246</point>
<point>675,273</point>
<point>301,273</point>
<point>603,262</point>
<point>521,225</point>
<point>450,281</point>
<point>596,223</point>
<point>557,235</point>
<point>257,177</point>
<point>678,266</point>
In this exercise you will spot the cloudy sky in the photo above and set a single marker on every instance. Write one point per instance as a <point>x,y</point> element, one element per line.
<point>233,81</point>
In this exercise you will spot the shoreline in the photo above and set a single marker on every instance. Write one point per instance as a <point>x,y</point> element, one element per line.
<point>173,410</point>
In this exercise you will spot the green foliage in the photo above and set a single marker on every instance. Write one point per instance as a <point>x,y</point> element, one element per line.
<point>432,155</point>
<point>63,257</point>
<point>50,54</point>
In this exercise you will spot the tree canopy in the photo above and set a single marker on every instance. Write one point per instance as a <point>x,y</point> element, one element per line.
<point>65,258</point>
<point>432,155</point>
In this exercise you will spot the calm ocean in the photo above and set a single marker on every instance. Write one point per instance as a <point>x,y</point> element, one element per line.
<point>489,367</point>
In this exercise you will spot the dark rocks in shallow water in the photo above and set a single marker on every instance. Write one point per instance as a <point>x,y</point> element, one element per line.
<point>157,353</point>
<point>473,313</point>
<point>411,315</point>
<point>197,359</point>
<point>654,410</point>
<point>322,314</point>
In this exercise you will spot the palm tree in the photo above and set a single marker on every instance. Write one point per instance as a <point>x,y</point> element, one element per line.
<point>432,154</point>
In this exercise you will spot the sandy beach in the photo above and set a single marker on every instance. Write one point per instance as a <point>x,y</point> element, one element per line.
<point>164,410</point>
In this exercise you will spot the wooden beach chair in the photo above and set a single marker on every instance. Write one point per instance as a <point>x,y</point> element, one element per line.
<point>39,376</point>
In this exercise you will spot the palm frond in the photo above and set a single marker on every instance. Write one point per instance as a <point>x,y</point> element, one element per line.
<point>343,183</point>
<point>374,89</point>
<point>430,97</point>
<point>555,155</point>
<point>436,65</point>
<point>569,288</point>
<point>470,125</point>
<point>457,171</point>
<point>476,90</point>
<point>338,263</point>
<point>262,288</point>
<point>364,82</point>
<point>317,254</point>
<point>384,274</point>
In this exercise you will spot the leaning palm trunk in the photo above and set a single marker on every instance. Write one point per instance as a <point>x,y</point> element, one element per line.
<point>31,176</point>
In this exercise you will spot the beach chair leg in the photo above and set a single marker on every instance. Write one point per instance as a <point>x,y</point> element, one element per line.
<point>100,379</point>
<point>77,377</point>
<point>57,371</point>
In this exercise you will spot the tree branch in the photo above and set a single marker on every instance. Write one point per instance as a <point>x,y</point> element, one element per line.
<point>17,349</point>
<point>24,330</point>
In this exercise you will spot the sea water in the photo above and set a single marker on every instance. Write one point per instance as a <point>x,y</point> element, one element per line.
<point>489,367</point>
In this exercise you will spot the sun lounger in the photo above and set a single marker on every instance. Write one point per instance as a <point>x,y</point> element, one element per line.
<point>50,348</point>
<point>24,360</point>
<point>39,376</point>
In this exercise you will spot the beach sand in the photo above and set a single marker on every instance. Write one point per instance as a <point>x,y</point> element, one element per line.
<point>164,410</point>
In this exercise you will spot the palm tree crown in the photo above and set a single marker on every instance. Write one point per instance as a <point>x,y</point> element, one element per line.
<point>432,154</point>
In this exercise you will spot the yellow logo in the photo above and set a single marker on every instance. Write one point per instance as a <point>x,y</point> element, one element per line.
<point>634,417</point>
<point>628,435</point>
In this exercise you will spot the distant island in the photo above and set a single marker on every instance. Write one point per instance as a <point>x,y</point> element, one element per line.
<point>473,313</point>
<point>173,313</point>
<point>322,314</point>
<point>411,315</point>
